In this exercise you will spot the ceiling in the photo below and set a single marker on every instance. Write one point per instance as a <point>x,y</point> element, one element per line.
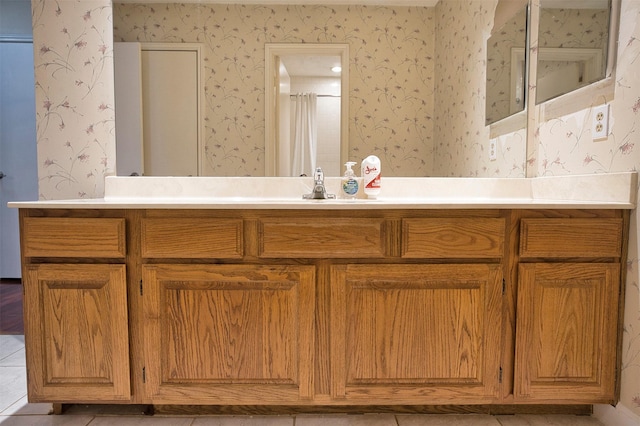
<point>566,4</point>
<point>310,66</point>
<point>424,3</point>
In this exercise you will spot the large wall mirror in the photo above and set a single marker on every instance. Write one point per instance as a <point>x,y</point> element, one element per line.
<point>392,74</point>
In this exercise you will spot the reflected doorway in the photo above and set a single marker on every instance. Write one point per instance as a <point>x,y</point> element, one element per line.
<point>293,69</point>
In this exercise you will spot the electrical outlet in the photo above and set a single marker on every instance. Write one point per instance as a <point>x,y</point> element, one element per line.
<point>600,127</point>
<point>493,149</point>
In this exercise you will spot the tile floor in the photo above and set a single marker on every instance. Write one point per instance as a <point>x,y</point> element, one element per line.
<point>15,410</point>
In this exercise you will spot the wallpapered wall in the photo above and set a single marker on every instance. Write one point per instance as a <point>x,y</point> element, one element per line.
<point>74,100</point>
<point>75,119</point>
<point>391,74</point>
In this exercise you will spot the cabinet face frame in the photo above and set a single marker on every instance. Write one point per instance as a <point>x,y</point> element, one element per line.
<point>569,253</point>
<point>77,333</point>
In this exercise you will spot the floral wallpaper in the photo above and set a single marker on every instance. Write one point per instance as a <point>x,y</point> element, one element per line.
<point>391,74</point>
<point>74,97</point>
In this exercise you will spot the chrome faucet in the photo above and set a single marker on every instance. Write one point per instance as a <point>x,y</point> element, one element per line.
<point>319,191</point>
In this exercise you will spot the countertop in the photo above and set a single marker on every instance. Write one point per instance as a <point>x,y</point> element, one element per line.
<point>601,191</point>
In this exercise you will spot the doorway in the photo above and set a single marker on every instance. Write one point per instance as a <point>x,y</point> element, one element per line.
<point>18,156</point>
<point>277,99</point>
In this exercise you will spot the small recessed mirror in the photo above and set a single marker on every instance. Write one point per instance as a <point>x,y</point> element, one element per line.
<point>506,61</point>
<point>573,38</point>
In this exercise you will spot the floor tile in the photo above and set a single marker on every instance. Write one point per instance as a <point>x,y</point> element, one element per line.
<point>447,420</point>
<point>23,407</point>
<point>14,386</point>
<point>9,344</point>
<point>16,359</point>
<point>244,421</point>
<point>547,420</point>
<point>346,420</point>
<point>46,420</point>
<point>138,420</point>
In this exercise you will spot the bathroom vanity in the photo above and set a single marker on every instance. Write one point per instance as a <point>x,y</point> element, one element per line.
<point>460,292</point>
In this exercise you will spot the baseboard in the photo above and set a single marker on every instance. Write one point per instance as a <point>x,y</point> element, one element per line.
<point>615,416</point>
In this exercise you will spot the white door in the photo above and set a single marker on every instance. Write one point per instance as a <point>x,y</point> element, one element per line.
<point>170,103</point>
<point>127,67</point>
<point>18,163</point>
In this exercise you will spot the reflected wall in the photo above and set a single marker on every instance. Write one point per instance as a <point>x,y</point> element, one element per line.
<point>574,30</point>
<point>461,146</point>
<point>391,105</point>
<point>505,55</point>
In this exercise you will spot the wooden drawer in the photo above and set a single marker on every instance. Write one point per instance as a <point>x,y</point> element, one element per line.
<point>321,237</point>
<point>73,237</point>
<point>453,238</point>
<point>189,238</point>
<point>580,238</point>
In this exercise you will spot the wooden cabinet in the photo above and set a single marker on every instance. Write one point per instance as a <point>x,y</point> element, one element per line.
<point>567,332</point>
<point>76,333</point>
<point>415,333</point>
<point>76,316</point>
<point>228,334</point>
<point>331,308</point>
<point>567,310</point>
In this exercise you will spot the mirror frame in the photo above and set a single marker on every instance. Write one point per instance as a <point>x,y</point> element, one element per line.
<point>273,51</point>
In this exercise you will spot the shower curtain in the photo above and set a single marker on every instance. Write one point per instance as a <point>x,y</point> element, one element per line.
<point>305,134</point>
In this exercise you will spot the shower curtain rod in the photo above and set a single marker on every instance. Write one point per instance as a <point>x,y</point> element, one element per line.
<point>320,96</point>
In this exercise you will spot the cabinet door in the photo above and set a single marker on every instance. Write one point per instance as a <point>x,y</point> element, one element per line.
<point>566,332</point>
<point>416,334</point>
<point>228,334</point>
<point>76,332</point>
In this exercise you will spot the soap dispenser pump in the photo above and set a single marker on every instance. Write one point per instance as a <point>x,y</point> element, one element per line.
<point>349,182</point>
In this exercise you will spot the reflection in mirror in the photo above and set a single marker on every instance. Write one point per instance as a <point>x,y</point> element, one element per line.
<point>506,61</point>
<point>572,45</point>
<point>309,115</point>
<point>306,117</point>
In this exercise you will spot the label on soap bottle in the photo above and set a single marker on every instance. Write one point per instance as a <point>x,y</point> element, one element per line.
<point>350,187</point>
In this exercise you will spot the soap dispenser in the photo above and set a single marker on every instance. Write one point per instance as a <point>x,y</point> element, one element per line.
<point>349,182</point>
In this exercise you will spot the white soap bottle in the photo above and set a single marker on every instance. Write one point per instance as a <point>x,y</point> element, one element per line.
<point>349,182</point>
<point>371,176</point>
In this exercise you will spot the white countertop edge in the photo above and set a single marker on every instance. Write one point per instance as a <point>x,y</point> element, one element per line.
<point>321,204</point>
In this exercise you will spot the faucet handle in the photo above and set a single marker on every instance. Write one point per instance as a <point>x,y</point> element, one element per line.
<point>318,176</point>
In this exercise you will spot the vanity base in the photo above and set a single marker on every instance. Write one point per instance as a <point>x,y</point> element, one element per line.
<point>318,311</point>
<point>258,410</point>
